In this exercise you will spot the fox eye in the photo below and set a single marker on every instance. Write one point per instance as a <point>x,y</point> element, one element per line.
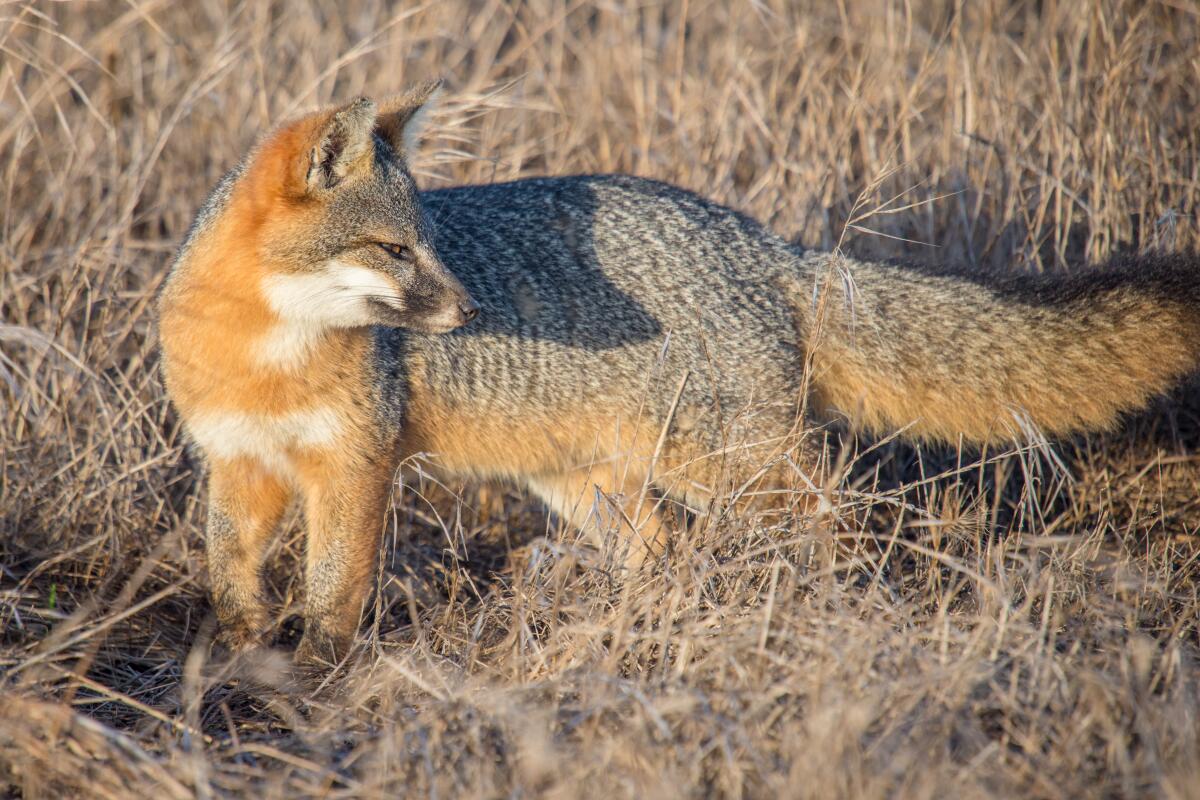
<point>397,251</point>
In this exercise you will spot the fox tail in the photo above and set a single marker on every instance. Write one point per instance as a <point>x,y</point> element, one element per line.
<point>955,356</point>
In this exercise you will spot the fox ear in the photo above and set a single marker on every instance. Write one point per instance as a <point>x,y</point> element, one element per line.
<point>402,117</point>
<point>340,144</point>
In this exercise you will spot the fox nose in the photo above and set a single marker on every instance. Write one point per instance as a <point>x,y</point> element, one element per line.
<point>469,309</point>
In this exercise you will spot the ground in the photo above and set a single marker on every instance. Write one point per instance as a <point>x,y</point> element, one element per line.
<point>1004,623</point>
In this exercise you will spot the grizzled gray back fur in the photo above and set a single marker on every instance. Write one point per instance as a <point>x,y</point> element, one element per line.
<point>604,290</point>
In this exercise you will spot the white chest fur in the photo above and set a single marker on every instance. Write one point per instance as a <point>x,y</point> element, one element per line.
<point>269,439</point>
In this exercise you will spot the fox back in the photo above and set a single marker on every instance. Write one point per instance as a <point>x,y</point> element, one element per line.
<point>599,294</point>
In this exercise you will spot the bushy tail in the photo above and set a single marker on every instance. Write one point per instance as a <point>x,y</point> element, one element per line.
<point>950,355</point>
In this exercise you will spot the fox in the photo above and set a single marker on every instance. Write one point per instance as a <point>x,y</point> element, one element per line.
<point>606,342</point>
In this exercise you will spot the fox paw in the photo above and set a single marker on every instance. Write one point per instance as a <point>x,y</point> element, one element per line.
<point>319,650</point>
<point>239,637</point>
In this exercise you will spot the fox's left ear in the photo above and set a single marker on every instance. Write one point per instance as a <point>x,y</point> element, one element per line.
<point>342,142</point>
<point>402,118</point>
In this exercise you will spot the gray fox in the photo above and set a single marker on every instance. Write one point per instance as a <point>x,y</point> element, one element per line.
<point>318,327</point>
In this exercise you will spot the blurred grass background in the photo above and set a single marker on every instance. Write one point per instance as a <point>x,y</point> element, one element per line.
<point>964,623</point>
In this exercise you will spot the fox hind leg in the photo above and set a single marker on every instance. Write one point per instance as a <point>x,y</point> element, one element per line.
<point>597,497</point>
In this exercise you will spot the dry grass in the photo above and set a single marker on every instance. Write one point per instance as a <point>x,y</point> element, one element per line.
<point>956,623</point>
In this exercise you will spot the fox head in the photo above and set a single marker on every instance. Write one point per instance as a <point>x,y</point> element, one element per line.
<point>339,225</point>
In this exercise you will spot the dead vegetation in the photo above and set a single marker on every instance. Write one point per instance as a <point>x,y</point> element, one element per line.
<point>954,624</point>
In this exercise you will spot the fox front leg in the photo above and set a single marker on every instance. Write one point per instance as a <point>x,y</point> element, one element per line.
<point>345,508</point>
<point>245,505</point>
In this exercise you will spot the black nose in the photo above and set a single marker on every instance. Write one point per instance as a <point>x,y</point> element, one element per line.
<point>469,309</point>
